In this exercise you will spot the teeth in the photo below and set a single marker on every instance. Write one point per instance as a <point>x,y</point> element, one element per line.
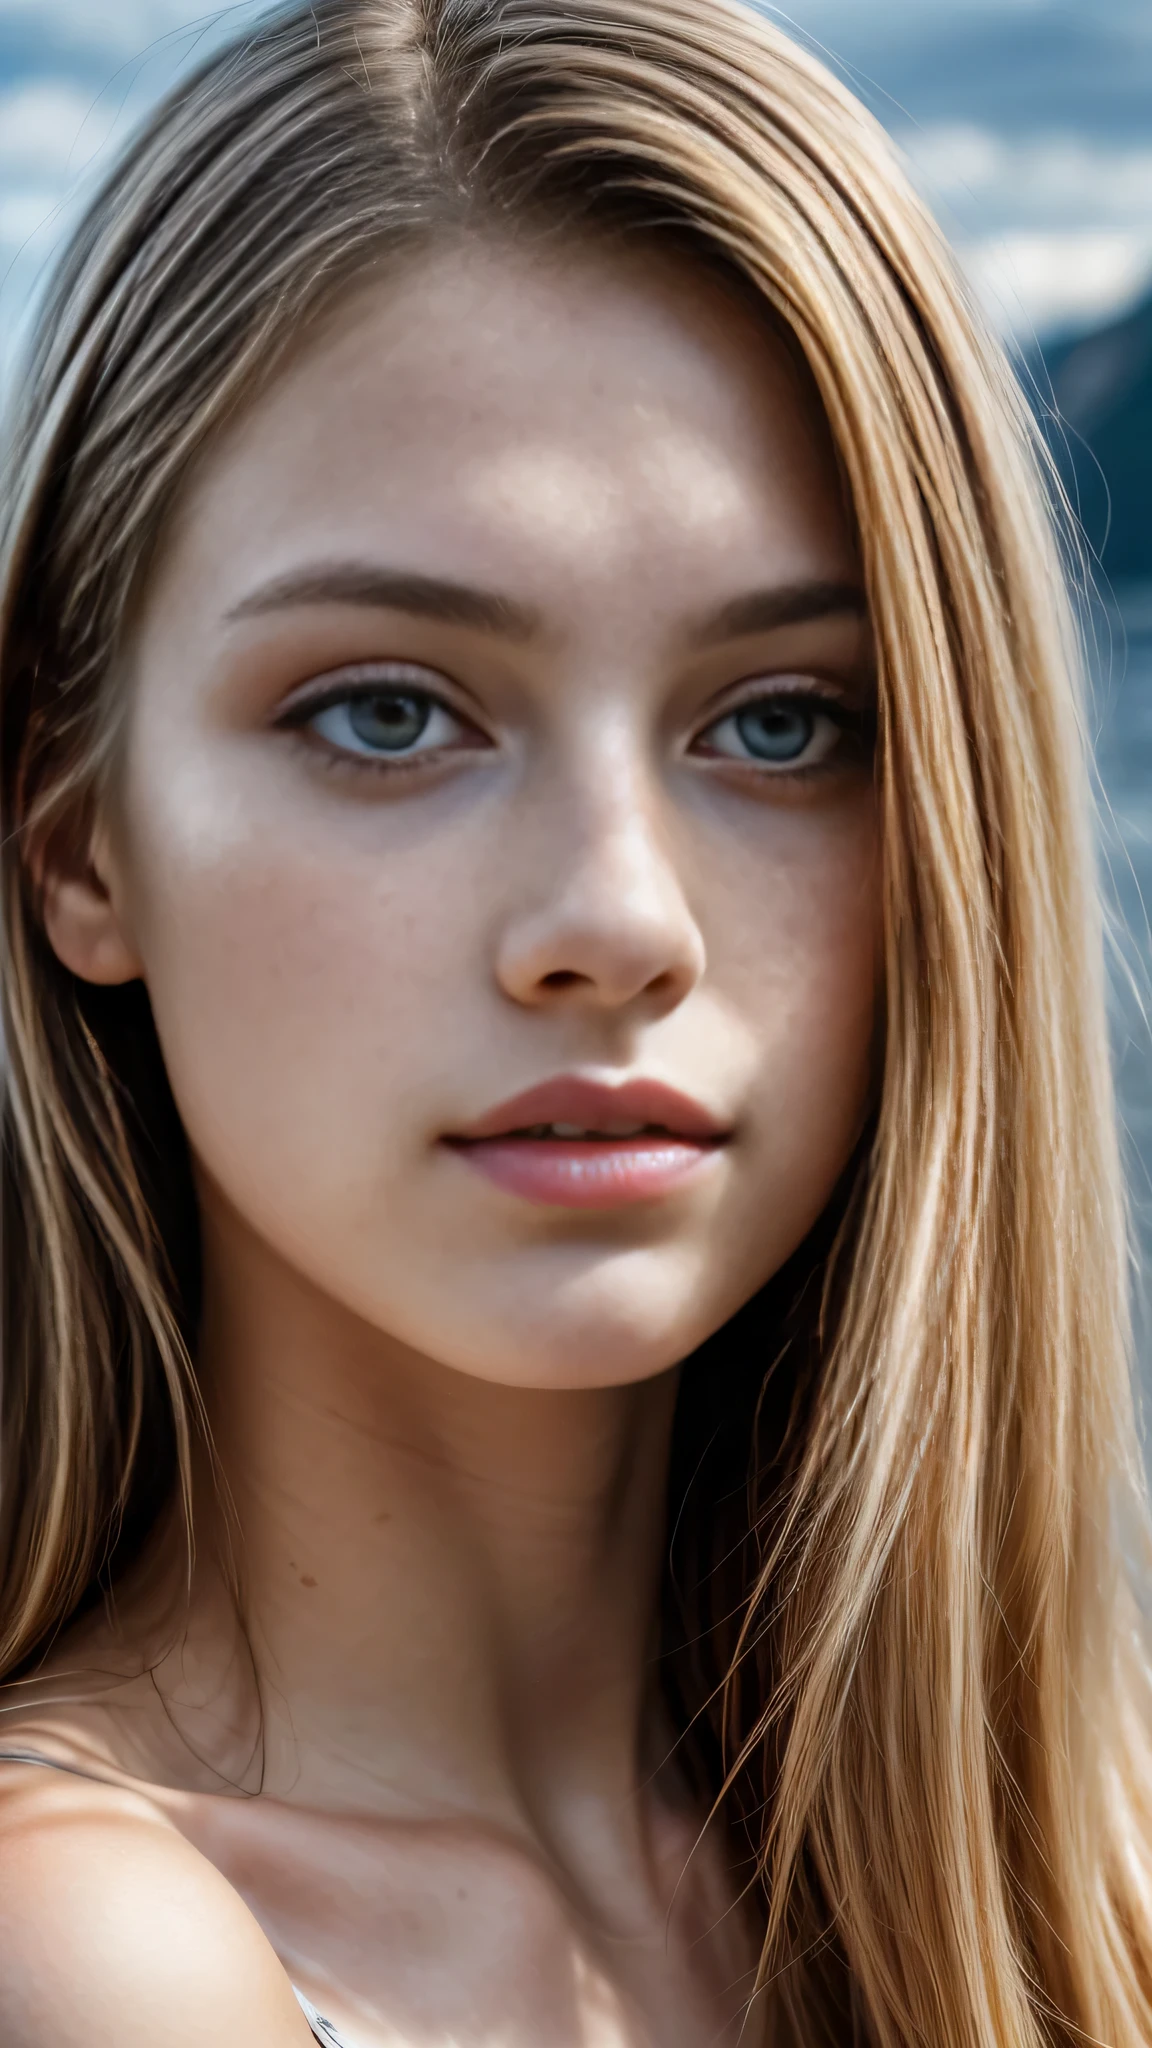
<point>615,1130</point>
<point>581,1131</point>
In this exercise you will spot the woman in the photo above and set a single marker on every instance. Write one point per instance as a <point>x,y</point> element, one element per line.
<point>569,1465</point>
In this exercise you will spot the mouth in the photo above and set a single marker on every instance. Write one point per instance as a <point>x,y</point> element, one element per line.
<point>575,1143</point>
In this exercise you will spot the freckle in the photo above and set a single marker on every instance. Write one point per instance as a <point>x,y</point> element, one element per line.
<point>306,1579</point>
<point>382,1518</point>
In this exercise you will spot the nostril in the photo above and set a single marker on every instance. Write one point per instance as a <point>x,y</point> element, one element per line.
<point>662,984</point>
<point>603,955</point>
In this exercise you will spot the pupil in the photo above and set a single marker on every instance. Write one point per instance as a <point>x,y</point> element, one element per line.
<point>775,732</point>
<point>391,722</point>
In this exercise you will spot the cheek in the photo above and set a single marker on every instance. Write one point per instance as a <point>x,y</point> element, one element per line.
<point>802,970</point>
<point>323,984</point>
<point>303,980</point>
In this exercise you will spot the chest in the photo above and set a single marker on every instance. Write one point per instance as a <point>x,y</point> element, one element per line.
<point>422,1933</point>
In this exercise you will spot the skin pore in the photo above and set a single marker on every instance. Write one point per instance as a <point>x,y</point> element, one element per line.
<point>499,710</point>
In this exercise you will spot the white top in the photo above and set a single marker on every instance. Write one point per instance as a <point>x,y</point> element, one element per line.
<point>323,2029</point>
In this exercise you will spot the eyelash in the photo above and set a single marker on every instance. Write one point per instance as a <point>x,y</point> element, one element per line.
<point>393,684</point>
<point>853,725</point>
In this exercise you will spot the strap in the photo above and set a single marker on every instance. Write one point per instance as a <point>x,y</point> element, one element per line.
<point>323,2029</point>
<point>49,1763</point>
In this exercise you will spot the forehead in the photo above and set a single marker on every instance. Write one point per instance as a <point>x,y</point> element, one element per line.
<point>529,418</point>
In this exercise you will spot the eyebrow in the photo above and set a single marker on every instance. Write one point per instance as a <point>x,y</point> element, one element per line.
<point>784,604</point>
<point>395,590</point>
<point>460,604</point>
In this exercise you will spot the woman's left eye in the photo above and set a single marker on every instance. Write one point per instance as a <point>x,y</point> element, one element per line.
<point>385,723</point>
<point>781,732</point>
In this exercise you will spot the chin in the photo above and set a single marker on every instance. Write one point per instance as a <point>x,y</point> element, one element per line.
<point>581,1334</point>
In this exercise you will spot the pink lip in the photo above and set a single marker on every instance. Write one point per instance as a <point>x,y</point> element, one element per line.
<point>592,1173</point>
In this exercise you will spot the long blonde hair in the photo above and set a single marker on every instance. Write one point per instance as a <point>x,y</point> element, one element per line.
<point>930,1724</point>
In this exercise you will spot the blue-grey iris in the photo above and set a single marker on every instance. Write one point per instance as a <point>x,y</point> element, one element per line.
<point>775,732</point>
<point>391,722</point>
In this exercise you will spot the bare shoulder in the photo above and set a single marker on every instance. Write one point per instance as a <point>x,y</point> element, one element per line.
<point>116,1933</point>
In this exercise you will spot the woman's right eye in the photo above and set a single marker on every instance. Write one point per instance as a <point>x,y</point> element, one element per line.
<point>388,722</point>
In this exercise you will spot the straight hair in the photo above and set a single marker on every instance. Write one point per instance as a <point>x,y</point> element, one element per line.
<point>904,1633</point>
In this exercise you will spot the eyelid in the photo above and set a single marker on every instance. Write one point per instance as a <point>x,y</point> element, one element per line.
<point>359,679</point>
<point>853,721</point>
<point>782,683</point>
<point>794,684</point>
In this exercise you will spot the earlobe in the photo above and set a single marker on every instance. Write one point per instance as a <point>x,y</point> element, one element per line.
<point>83,927</point>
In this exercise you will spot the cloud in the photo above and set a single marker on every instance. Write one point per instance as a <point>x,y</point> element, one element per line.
<point>55,134</point>
<point>51,126</point>
<point>113,28</point>
<point>892,21</point>
<point>1013,65</point>
<point>1028,126</point>
<point>1054,229</point>
<point>1033,284</point>
<point>1069,179</point>
<point>76,77</point>
<point>54,137</point>
<point>22,214</point>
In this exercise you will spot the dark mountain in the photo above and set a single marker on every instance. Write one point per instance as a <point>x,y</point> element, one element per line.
<point>1094,395</point>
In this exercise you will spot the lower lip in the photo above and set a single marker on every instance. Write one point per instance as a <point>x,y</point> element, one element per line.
<point>588,1173</point>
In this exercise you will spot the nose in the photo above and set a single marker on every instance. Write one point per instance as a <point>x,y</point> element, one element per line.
<point>615,929</point>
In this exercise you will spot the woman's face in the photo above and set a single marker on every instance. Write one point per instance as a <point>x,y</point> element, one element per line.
<point>499,718</point>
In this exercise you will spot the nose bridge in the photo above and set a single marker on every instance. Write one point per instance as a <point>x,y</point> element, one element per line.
<point>604,915</point>
<point>616,818</point>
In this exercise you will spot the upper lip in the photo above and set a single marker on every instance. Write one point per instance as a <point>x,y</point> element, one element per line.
<point>569,1099</point>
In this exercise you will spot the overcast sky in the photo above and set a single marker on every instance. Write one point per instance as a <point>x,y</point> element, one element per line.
<point>1029,122</point>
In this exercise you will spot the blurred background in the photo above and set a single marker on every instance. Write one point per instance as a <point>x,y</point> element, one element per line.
<point>1028,124</point>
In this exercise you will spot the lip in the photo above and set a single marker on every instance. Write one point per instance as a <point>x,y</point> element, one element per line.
<point>592,1173</point>
<point>571,1099</point>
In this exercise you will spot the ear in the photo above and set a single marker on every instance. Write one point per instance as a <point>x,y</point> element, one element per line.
<point>79,906</point>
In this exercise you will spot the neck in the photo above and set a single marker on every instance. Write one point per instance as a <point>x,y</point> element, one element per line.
<point>449,1585</point>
